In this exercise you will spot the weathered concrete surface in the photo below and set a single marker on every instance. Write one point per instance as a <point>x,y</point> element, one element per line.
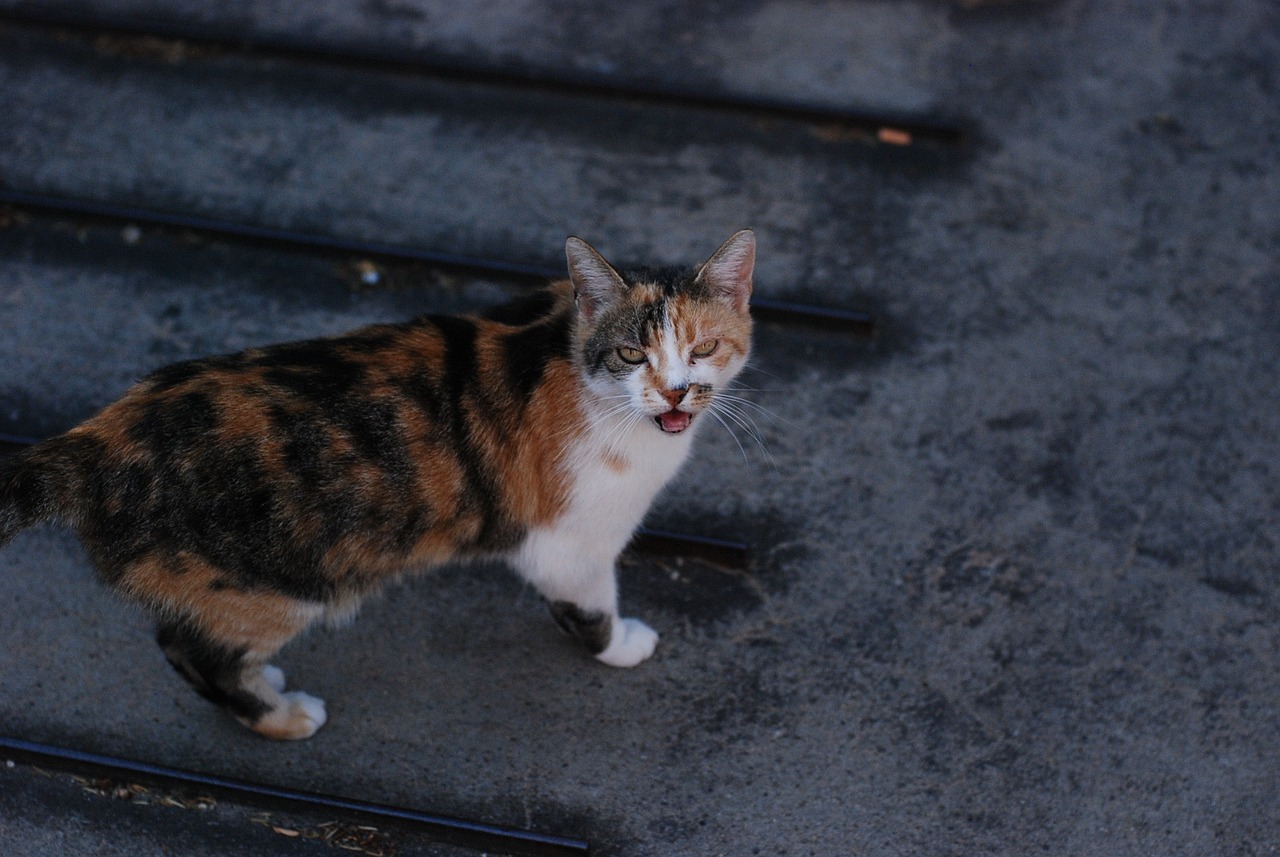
<point>465,168</point>
<point>49,813</point>
<point>885,55</point>
<point>1016,578</point>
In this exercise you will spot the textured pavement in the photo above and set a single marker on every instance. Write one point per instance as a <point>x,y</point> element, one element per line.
<point>1015,578</point>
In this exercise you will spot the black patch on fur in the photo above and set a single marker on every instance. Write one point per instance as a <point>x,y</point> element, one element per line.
<point>314,370</point>
<point>319,487</point>
<point>35,483</point>
<point>326,385</point>
<point>524,310</point>
<point>177,374</point>
<point>427,392</point>
<point>119,504</point>
<point>320,495</point>
<point>460,387</point>
<point>305,443</point>
<point>218,503</point>
<point>527,352</point>
<point>374,429</point>
<point>173,427</point>
<point>459,335</point>
<point>214,671</point>
<point>22,495</point>
<point>593,628</point>
<point>672,280</point>
<point>371,340</point>
<point>222,503</point>
<point>649,321</point>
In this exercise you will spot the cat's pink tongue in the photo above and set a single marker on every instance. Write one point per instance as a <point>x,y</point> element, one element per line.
<point>674,421</point>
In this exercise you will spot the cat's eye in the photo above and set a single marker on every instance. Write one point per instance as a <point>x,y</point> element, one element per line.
<point>705,349</point>
<point>630,355</point>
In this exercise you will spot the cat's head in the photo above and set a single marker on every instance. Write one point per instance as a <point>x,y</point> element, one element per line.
<point>658,344</point>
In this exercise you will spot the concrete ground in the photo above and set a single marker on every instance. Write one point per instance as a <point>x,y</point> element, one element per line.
<point>1015,578</point>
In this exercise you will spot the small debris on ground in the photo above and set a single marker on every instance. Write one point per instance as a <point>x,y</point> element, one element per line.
<point>361,838</point>
<point>140,794</point>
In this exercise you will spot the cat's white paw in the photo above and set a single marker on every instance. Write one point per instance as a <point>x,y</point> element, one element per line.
<point>274,677</point>
<point>632,642</point>
<point>308,706</point>
<point>299,717</point>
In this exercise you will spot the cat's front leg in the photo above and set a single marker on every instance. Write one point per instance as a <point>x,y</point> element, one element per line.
<point>614,640</point>
<point>632,642</point>
<point>582,592</point>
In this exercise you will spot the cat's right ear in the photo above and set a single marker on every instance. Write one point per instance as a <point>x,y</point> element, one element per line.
<point>595,283</point>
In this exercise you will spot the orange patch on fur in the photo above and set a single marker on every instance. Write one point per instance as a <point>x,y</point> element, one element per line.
<point>539,477</point>
<point>695,322</point>
<point>258,621</point>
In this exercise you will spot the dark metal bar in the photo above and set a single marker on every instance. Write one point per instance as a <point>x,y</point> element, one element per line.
<point>455,831</point>
<point>849,321</point>
<point>885,127</point>
<point>64,205</point>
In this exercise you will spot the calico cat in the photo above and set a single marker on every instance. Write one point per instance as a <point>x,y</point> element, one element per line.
<point>241,498</point>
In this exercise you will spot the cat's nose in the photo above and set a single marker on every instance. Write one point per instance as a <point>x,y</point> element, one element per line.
<point>675,395</point>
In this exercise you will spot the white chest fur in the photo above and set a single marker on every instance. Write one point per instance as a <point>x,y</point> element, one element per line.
<point>617,470</point>
<point>616,479</point>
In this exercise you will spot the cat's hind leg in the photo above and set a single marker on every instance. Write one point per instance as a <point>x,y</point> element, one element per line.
<point>219,636</point>
<point>241,682</point>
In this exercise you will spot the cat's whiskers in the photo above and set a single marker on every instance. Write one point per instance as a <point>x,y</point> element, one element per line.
<point>601,418</point>
<point>747,423</point>
<point>742,401</point>
<point>594,417</point>
<point>612,433</point>
<point>712,411</point>
<point>745,407</point>
<point>750,367</point>
<point>616,442</point>
<point>727,405</point>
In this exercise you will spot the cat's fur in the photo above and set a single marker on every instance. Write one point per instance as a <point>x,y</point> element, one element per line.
<point>241,498</point>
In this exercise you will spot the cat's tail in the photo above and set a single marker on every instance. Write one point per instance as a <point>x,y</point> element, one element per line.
<point>31,486</point>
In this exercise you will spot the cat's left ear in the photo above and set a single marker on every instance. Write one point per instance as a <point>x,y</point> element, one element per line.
<point>728,271</point>
<point>595,282</point>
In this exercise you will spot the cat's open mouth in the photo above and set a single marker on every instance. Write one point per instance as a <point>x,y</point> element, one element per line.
<point>673,421</point>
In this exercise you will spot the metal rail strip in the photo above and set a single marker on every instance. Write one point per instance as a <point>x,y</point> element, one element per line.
<point>440,828</point>
<point>884,127</point>
<point>854,322</point>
